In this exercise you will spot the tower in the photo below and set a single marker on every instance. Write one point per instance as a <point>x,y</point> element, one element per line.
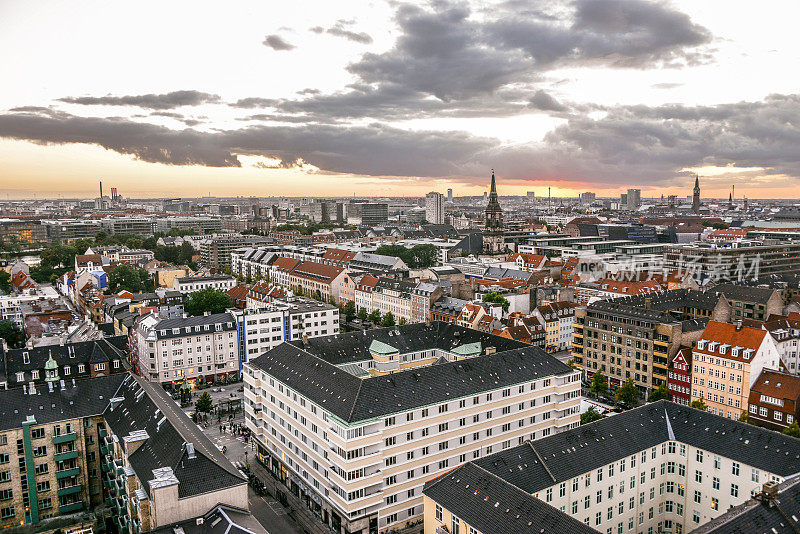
<point>696,196</point>
<point>493,237</point>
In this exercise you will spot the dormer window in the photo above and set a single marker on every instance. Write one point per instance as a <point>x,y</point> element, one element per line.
<point>723,349</point>
<point>81,368</point>
<point>67,370</point>
<point>20,377</point>
<point>35,374</point>
<point>26,357</point>
<point>701,344</point>
<point>735,352</point>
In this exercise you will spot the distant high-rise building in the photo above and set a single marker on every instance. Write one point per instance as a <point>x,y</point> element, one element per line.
<point>450,195</point>
<point>634,199</point>
<point>434,208</point>
<point>696,196</point>
<point>588,197</point>
<point>484,195</point>
<point>531,195</point>
<point>623,200</point>
<point>493,235</point>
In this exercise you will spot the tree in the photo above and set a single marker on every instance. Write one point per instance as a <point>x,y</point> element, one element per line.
<point>744,417</point>
<point>204,403</point>
<point>402,321</point>
<point>496,298</point>
<point>5,282</point>
<point>661,392</point>
<point>207,300</point>
<point>599,384</point>
<point>628,394</point>
<point>12,334</point>
<point>590,415</point>
<point>375,316</point>
<point>792,430</point>
<point>349,310</point>
<point>388,319</point>
<point>127,278</point>
<point>362,314</point>
<point>572,363</point>
<point>699,404</point>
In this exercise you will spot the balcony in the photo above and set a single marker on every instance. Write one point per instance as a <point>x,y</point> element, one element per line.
<point>65,438</point>
<point>64,456</point>
<point>69,508</point>
<point>69,490</point>
<point>66,473</point>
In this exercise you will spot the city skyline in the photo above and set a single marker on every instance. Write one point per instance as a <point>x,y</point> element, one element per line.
<point>400,99</point>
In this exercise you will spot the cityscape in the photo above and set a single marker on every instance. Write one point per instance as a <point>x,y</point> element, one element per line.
<point>400,268</point>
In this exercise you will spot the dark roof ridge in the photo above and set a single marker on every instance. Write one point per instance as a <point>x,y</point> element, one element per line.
<point>539,456</point>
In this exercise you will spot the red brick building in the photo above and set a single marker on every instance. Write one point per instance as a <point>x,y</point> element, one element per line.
<point>679,380</point>
<point>774,400</point>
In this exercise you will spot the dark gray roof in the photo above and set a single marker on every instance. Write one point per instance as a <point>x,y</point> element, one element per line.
<point>309,370</point>
<point>494,506</point>
<point>142,405</point>
<point>758,295</point>
<point>354,346</point>
<point>81,398</point>
<point>225,319</point>
<point>778,516</point>
<point>576,451</point>
<point>219,520</point>
<point>81,352</point>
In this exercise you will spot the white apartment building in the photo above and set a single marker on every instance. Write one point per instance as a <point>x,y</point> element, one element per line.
<point>356,423</point>
<point>264,327</point>
<point>661,468</point>
<point>190,284</point>
<point>203,348</point>
<point>434,208</point>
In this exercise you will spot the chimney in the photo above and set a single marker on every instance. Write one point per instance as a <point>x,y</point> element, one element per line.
<point>738,325</point>
<point>101,188</point>
<point>305,338</point>
<point>648,303</point>
<point>490,350</point>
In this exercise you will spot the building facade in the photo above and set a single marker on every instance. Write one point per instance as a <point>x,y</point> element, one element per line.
<point>358,423</point>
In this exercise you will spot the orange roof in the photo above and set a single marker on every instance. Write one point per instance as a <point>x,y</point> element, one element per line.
<point>629,288</point>
<point>85,259</point>
<point>536,260</point>
<point>728,336</point>
<point>367,282</point>
<point>22,280</point>
<point>285,264</point>
<point>337,254</point>
<point>317,271</point>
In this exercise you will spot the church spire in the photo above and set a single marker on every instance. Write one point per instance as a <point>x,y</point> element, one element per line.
<point>493,189</point>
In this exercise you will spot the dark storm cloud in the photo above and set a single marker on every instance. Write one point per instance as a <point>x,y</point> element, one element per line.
<point>545,102</point>
<point>630,145</point>
<point>495,65</point>
<point>276,42</point>
<point>369,150</point>
<point>171,100</point>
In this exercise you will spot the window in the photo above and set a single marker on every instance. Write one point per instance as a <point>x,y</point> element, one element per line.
<point>735,469</point>
<point>37,433</point>
<point>714,503</point>
<point>734,490</point>
<point>7,513</point>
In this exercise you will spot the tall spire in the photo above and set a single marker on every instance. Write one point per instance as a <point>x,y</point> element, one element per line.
<point>493,189</point>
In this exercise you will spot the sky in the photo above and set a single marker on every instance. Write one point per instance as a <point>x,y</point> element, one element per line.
<point>392,98</point>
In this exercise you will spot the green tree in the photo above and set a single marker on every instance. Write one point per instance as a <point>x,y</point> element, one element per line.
<point>12,334</point>
<point>599,384</point>
<point>207,300</point>
<point>628,394</point>
<point>375,316</point>
<point>388,319</point>
<point>185,253</point>
<point>699,404</point>
<point>572,363</point>
<point>362,314</point>
<point>496,298</point>
<point>792,430</point>
<point>5,282</point>
<point>423,256</point>
<point>204,403</point>
<point>744,417</point>
<point>402,321</point>
<point>590,415</point>
<point>127,278</point>
<point>661,392</point>
<point>349,310</point>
